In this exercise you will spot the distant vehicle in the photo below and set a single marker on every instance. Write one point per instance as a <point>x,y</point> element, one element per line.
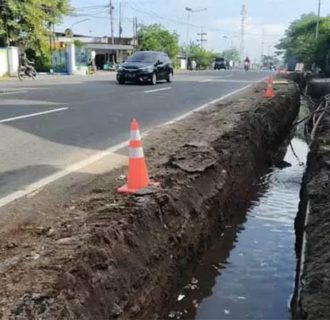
<point>146,66</point>
<point>219,64</point>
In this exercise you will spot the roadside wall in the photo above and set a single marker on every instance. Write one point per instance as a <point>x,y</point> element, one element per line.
<point>3,62</point>
<point>9,61</point>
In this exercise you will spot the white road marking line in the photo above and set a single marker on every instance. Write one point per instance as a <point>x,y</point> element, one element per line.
<point>12,92</point>
<point>18,88</point>
<point>217,78</point>
<point>32,115</point>
<point>225,76</point>
<point>156,90</point>
<point>236,81</point>
<point>58,175</point>
<point>97,157</point>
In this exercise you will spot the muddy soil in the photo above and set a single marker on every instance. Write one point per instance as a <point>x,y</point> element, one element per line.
<point>312,296</point>
<point>107,256</point>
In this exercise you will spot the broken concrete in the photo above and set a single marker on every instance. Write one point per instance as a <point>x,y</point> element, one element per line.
<point>110,256</point>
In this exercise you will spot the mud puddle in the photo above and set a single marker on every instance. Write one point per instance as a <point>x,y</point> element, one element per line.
<point>249,273</point>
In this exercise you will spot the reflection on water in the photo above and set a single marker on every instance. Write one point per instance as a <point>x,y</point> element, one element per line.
<point>249,272</point>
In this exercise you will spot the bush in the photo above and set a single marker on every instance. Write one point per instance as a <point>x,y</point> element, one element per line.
<point>43,63</point>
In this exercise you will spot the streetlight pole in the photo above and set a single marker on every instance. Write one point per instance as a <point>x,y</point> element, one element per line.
<point>318,21</point>
<point>75,23</point>
<point>190,11</point>
<point>226,42</point>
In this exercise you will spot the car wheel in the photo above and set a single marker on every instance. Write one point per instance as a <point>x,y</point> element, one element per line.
<point>154,79</point>
<point>170,77</point>
<point>121,81</point>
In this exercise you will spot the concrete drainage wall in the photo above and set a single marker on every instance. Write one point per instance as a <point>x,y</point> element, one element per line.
<point>121,257</point>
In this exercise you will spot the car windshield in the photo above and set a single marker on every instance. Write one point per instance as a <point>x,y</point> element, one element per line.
<point>143,57</point>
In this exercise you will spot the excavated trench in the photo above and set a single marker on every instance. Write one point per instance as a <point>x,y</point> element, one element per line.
<point>110,256</point>
<point>248,273</point>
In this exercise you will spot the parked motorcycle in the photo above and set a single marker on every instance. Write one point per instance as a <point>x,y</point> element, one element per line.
<point>24,72</point>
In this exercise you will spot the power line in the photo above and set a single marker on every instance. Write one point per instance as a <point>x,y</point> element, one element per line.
<point>208,28</point>
<point>91,7</point>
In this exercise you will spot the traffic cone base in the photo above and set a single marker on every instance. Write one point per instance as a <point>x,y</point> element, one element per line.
<point>126,189</point>
<point>269,92</point>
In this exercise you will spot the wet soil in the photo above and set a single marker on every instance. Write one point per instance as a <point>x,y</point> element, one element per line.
<point>248,271</point>
<point>312,296</point>
<point>106,256</point>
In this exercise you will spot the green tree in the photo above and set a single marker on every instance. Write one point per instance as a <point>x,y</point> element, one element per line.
<point>203,57</point>
<point>231,54</point>
<point>156,38</point>
<point>27,23</point>
<point>301,45</point>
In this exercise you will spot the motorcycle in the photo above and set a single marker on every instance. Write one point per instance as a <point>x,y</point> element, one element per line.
<point>246,66</point>
<point>24,72</point>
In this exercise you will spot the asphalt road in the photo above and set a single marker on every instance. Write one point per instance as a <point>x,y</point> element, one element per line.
<point>51,123</point>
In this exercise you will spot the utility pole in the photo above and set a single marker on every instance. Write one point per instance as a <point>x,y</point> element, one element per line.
<point>318,21</point>
<point>111,22</point>
<point>189,10</point>
<point>135,23</point>
<point>262,45</point>
<point>120,20</point>
<point>243,19</point>
<point>202,39</point>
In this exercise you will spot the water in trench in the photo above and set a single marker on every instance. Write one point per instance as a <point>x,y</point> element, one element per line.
<point>249,273</point>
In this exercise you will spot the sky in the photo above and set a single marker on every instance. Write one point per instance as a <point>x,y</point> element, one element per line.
<point>266,20</point>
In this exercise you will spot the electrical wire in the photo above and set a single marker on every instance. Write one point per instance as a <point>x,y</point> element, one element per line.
<point>178,22</point>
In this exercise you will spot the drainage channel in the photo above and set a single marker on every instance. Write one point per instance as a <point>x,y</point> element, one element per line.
<point>249,272</point>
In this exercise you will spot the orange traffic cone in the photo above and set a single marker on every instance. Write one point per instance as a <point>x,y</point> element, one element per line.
<point>269,92</point>
<point>137,168</point>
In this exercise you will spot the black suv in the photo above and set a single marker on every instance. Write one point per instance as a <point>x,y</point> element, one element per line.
<point>220,63</point>
<point>146,66</point>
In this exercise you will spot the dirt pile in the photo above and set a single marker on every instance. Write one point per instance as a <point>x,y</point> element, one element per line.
<point>312,298</point>
<point>110,256</point>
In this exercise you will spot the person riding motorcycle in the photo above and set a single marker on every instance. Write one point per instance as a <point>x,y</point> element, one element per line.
<point>26,63</point>
<point>247,63</point>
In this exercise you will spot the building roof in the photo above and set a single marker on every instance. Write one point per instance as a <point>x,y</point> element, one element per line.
<point>106,46</point>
